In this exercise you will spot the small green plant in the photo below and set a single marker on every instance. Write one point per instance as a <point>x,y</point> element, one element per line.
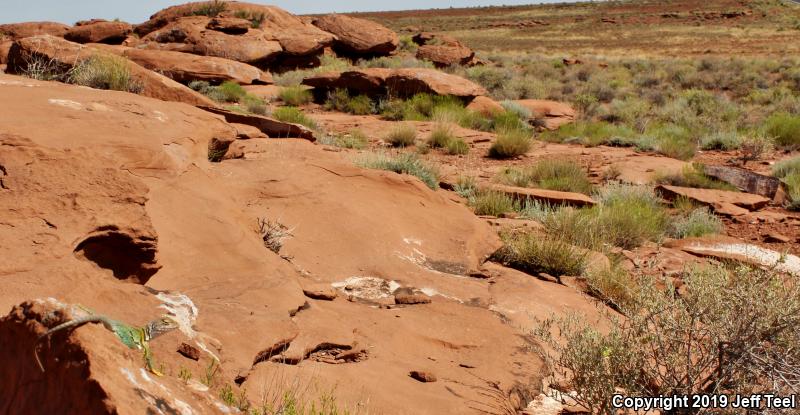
<point>404,163</point>
<point>228,91</point>
<point>510,143</point>
<point>355,139</point>
<point>721,140</point>
<point>104,71</point>
<point>210,9</point>
<point>698,223</point>
<point>256,18</point>
<point>210,376</point>
<point>254,104</point>
<point>294,116</point>
<point>403,135</point>
<point>492,203</point>
<point>785,129</point>
<point>533,253</point>
<point>552,174</point>
<point>295,95</point>
<point>185,374</point>
<point>457,147</point>
<point>441,136</point>
<point>466,187</point>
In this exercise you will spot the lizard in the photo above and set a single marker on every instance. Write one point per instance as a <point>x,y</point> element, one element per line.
<point>131,336</point>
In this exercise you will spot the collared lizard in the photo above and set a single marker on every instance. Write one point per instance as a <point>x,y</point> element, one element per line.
<point>131,336</point>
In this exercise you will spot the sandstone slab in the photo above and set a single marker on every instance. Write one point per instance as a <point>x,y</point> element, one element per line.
<point>99,32</point>
<point>713,197</point>
<point>550,196</point>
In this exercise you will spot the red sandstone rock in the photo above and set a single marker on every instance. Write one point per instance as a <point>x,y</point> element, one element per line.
<point>358,36</point>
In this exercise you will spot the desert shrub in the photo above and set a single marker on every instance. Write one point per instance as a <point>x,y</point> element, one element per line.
<point>553,174</point>
<point>491,78</point>
<point>517,109</point>
<point>402,136</point>
<point>534,253</point>
<point>256,18</point>
<point>295,116</point>
<point>784,128</point>
<point>492,203</point>
<point>698,223</point>
<point>613,285</point>
<point>692,176</point>
<point>510,143</point>
<point>404,163</point>
<point>104,72</point>
<point>273,233</point>
<point>328,63</point>
<point>672,140</point>
<point>457,146</point>
<point>229,91</point>
<point>466,187</point>
<point>507,120</point>
<point>295,95</point>
<point>591,133</point>
<point>360,105</point>
<point>355,139</point>
<point>441,135</point>
<point>730,331</point>
<point>407,44</point>
<point>786,167</point>
<point>210,8</point>
<point>200,86</point>
<point>254,104</point>
<point>792,182</point>
<point>721,140</point>
<point>340,100</point>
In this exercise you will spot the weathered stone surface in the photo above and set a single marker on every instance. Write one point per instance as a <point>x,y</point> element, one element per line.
<point>745,180</point>
<point>549,196</point>
<point>401,82</point>
<point>230,25</point>
<point>485,106</point>
<point>99,32</point>
<point>16,31</point>
<point>189,351</point>
<point>422,376</point>
<point>5,47</point>
<point>733,249</point>
<point>187,67</point>
<point>358,36</point>
<point>443,56</point>
<point>713,197</point>
<point>320,292</point>
<point>247,132</point>
<point>269,126</point>
<point>552,114</point>
<point>65,54</point>
<point>409,296</point>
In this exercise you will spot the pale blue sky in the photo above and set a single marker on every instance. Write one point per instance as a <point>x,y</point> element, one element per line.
<point>137,11</point>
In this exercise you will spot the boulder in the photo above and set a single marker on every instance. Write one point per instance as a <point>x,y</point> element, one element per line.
<point>358,36</point>
<point>553,114</point>
<point>16,31</point>
<point>443,56</point>
<point>293,35</point>
<point>187,67</point>
<point>399,82</point>
<point>712,197</point>
<point>422,376</point>
<point>726,248</point>
<point>745,180</point>
<point>485,106</point>
<point>429,38</point>
<point>553,197</point>
<point>269,126</point>
<point>230,25</point>
<point>5,47</point>
<point>99,32</point>
<point>189,34</point>
<point>65,54</point>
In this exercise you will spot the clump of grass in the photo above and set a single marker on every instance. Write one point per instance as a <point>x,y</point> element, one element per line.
<point>591,133</point>
<point>786,167</point>
<point>693,176</point>
<point>254,104</point>
<point>613,285</point>
<point>273,233</point>
<point>466,187</point>
<point>104,71</point>
<point>789,172</point>
<point>492,203</point>
<point>533,253</point>
<point>355,139</point>
<point>328,63</point>
<point>457,147</point>
<point>405,163</point>
<point>510,143</point>
<point>785,129</point>
<point>698,223</point>
<point>256,18</point>
<point>228,91</point>
<point>721,140</point>
<point>340,100</point>
<point>210,9</point>
<point>403,135</point>
<point>441,136</point>
<point>562,175</point>
<point>295,95</point>
<point>295,116</point>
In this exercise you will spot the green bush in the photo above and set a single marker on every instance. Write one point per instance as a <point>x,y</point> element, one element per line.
<point>295,116</point>
<point>591,133</point>
<point>466,187</point>
<point>441,136</point>
<point>403,135</point>
<point>405,163</point>
<point>254,104</point>
<point>534,253</point>
<point>510,143</point>
<point>721,140</point>
<point>340,100</point>
<point>492,203</point>
<point>209,8</point>
<point>104,71</point>
<point>295,95</point>
<point>457,147</point>
<point>785,129</point>
<point>552,174</point>
<point>698,223</point>
<point>229,91</point>
<point>739,324</point>
<point>786,167</point>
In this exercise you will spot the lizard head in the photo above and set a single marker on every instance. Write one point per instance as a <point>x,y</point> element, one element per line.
<point>160,326</point>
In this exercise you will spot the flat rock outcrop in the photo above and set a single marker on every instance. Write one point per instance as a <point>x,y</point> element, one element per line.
<point>187,67</point>
<point>553,197</point>
<point>401,82</point>
<point>715,198</point>
<point>99,32</point>
<point>356,36</point>
<point>552,114</point>
<point>292,36</point>
<point>14,31</point>
<point>64,54</point>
